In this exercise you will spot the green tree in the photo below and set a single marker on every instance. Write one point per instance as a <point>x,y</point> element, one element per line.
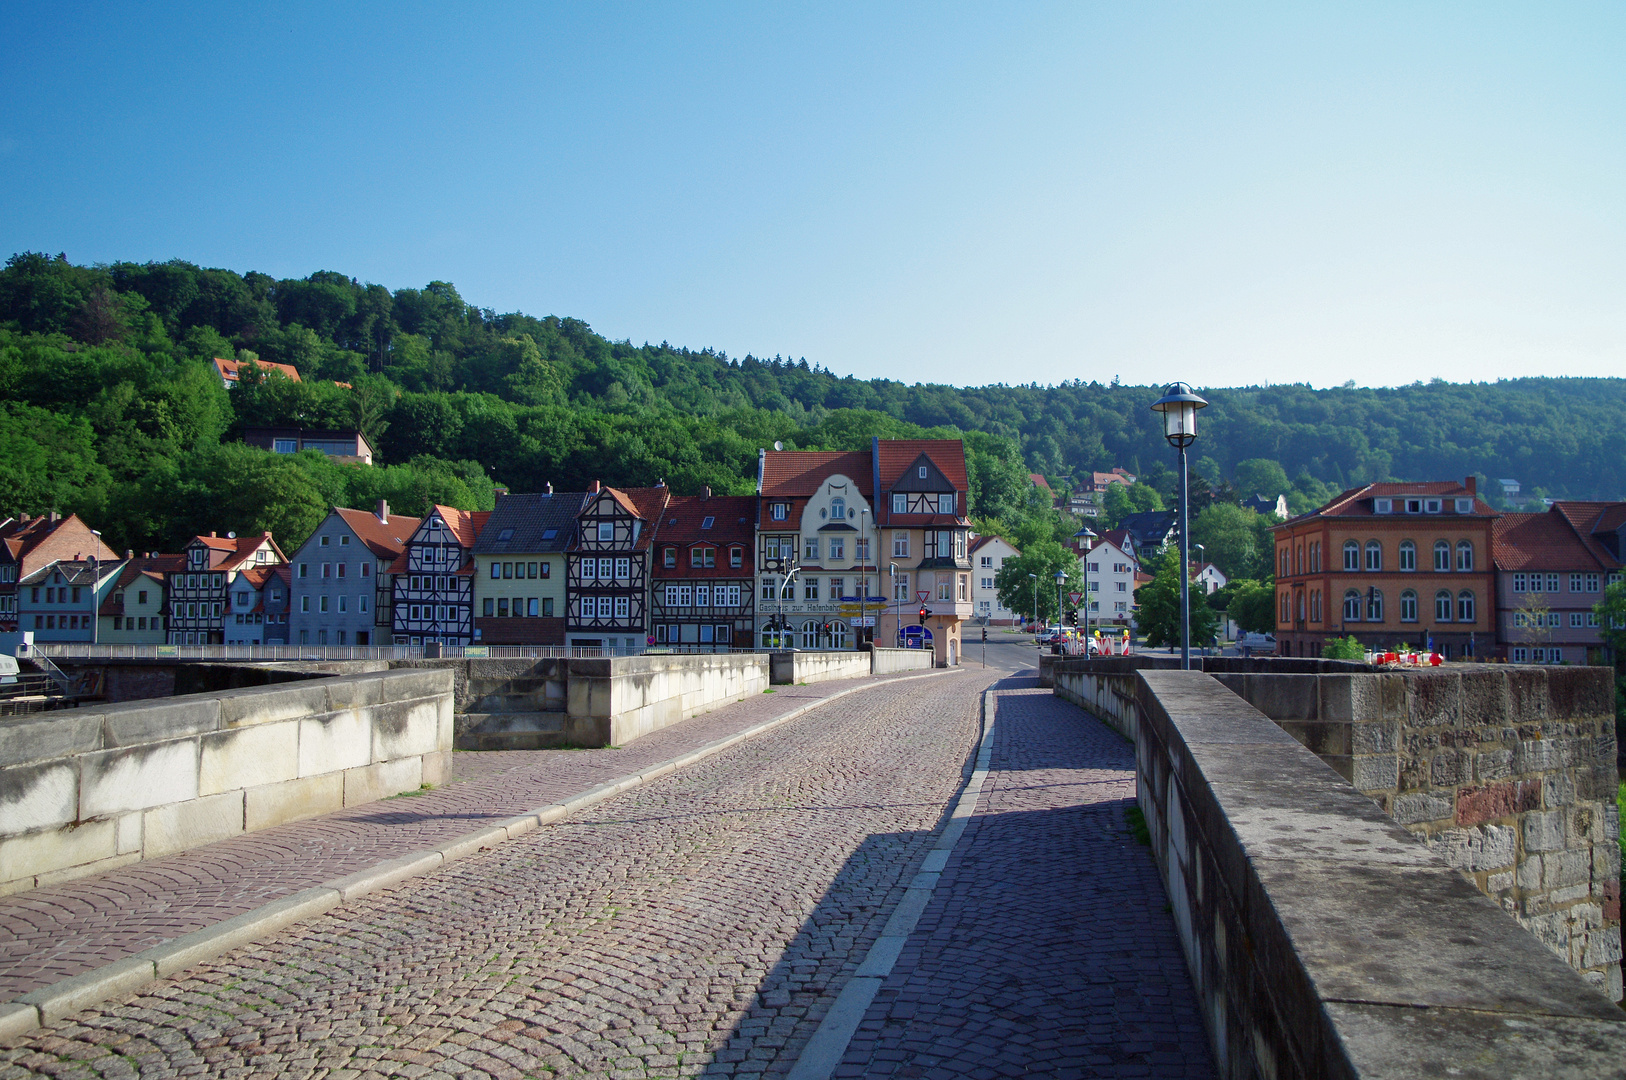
<point>1018,592</point>
<point>1261,476</point>
<point>1252,606</point>
<point>1157,606</point>
<point>1230,538</point>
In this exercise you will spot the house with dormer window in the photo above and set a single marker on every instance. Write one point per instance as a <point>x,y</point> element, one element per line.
<point>433,580</point>
<point>519,568</point>
<point>196,590</point>
<point>607,568</point>
<point>342,588</point>
<point>701,599</point>
<point>922,494</point>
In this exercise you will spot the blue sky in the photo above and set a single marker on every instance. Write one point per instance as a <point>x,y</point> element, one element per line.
<point>1225,194</point>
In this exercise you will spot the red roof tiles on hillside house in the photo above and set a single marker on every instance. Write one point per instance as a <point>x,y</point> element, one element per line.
<point>1545,541</point>
<point>799,473</point>
<point>230,371</point>
<point>385,537</point>
<point>684,526</point>
<point>1356,502</point>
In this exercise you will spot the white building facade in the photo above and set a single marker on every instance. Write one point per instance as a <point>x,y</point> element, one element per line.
<point>988,554</point>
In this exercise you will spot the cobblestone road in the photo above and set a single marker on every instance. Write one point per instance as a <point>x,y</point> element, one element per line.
<point>61,930</point>
<point>1046,948</point>
<point>702,922</point>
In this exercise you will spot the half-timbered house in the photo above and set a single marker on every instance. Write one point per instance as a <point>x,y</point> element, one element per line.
<point>196,591</point>
<point>921,504</point>
<point>607,568</point>
<point>701,596</point>
<point>433,589</point>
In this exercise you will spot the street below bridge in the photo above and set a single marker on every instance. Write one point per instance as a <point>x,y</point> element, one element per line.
<point>706,923</point>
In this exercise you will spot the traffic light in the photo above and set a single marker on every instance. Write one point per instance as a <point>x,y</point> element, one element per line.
<point>923,613</point>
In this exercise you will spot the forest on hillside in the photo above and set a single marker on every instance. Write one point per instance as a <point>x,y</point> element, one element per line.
<point>110,408</point>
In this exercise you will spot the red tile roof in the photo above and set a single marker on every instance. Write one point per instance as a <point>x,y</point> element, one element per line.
<point>229,369</point>
<point>1038,481</point>
<point>39,540</point>
<point>464,524</point>
<point>1545,541</point>
<point>1590,518</point>
<point>233,552</point>
<point>1357,502</point>
<point>386,539</point>
<point>896,455</point>
<point>644,502</point>
<point>733,524</point>
<point>799,473</point>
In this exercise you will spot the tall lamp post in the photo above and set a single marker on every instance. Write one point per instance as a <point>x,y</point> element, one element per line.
<point>1179,407</point>
<point>1061,579</point>
<point>1089,536</point>
<point>1035,578</point>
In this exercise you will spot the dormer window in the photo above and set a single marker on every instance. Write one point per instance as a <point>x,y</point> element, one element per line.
<point>670,558</point>
<point>1414,506</point>
<point>708,522</point>
<point>838,508</point>
<point>1383,506</point>
<point>923,472</point>
<point>779,511</point>
<point>736,557</point>
<point>606,532</point>
<point>506,534</point>
<point>1431,506</point>
<point>1465,506</point>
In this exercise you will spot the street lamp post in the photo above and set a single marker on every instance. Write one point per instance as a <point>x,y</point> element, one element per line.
<point>1061,579</point>
<point>863,576</point>
<point>1179,407</point>
<point>1202,554</point>
<point>1089,536</point>
<point>1035,578</point>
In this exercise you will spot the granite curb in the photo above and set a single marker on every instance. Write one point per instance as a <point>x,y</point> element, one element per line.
<point>48,1004</point>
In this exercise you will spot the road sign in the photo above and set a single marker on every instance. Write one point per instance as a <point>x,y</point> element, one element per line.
<point>922,594</point>
<point>1075,597</point>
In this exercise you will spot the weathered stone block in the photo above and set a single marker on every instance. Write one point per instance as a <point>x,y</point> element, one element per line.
<point>136,722</point>
<point>46,736</point>
<point>249,757</point>
<point>1379,737</point>
<point>1435,698</point>
<point>405,684</point>
<point>1493,765</point>
<point>1284,697</point>
<point>353,693</point>
<point>268,704</point>
<point>1530,873</point>
<point>334,742</point>
<point>129,832</point>
<point>38,796</point>
<point>373,782</point>
<point>1562,869</point>
<point>1485,700</point>
<point>1534,756</point>
<point>1376,772</point>
<point>437,768</point>
<point>1450,769</point>
<point>1500,882</point>
<point>1544,830</point>
<point>1527,694</point>
<point>405,729</point>
<point>167,829</point>
<point>1477,805</point>
<point>136,778</point>
<point>293,800</point>
<point>1414,808</point>
<point>71,845</point>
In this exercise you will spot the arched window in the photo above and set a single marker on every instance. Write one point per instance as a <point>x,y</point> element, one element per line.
<point>1374,555</point>
<point>1442,606</point>
<point>1374,606</point>
<point>1442,555</point>
<point>810,635</point>
<point>1465,606</point>
<point>1301,607</point>
<point>1352,606</point>
<point>838,509</point>
<point>1315,557</point>
<point>1284,609</point>
<point>1408,606</point>
<point>1465,555</point>
<point>1408,555</point>
<point>1315,606</point>
<point>1299,565</point>
<point>1352,555</point>
<point>1283,560</point>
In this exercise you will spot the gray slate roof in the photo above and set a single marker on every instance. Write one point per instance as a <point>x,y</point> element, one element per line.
<point>529,524</point>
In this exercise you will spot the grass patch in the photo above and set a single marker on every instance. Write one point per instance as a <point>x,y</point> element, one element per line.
<point>775,691</point>
<point>409,794</point>
<point>1137,825</point>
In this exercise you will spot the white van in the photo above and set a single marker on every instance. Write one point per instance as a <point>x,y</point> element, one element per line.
<point>1261,643</point>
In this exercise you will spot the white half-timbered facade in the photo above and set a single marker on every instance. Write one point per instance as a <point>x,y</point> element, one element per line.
<point>607,568</point>
<point>433,589</point>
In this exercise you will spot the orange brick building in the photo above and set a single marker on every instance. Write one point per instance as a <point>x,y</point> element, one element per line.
<point>1389,564</point>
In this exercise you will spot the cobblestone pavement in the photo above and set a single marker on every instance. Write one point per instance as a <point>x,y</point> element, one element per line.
<point>699,923</point>
<point>1047,947</point>
<point>55,932</point>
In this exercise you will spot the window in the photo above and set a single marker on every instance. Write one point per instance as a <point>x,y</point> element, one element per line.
<point>943,586</point>
<point>1518,583</point>
<point>1442,555</point>
<point>770,587</point>
<point>1521,655</point>
<point>502,607</point>
<point>923,472</point>
<point>838,548</point>
<point>141,597</point>
<point>541,569</point>
<point>1431,506</point>
<point>1374,606</point>
<point>242,599</point>
<point>1374,555</point>
<point>900,545</point>
<point>900,587</point>
<point>861,549</point>
<point>900,502</point>
<point>304,603</point>
<point>623,568</point>
<point>1591,583</point>
<point>703,557</point>
<point>1408,606</point>
<point>623,605</point>
<point>606,532</point>
<point>1553,619</point>
<point>496,571</point>
<point>1408,555</point>
<point>1577,620</point>
<point>323,542</point>
<point>736,557</point>
<point>327,570</point>
<point>1442,606</point>
<point>669,558</point>
<point>810,588</point>
<point>945,504</point>
<point>344,541</point>
<point>321,603</point>
<point>339,569</point>
<point>1352,606</point>
<point>1575,583</point>
<point>1414,506</point>
<point>838,588</point>
<point>487,607</point>
<point>1465,506</point>
<point>1465,555</point>
<point>547,607</point>
<point>702,595</point>
<point>341,603</point>
<point>366,569</point>
<point>1465,607</point>
<point>838,509</point>
<point>1383,506</point>
<point>987,561</point>
<point>1552,583</point>
<point>1352,556</point>
<point>779,511</point>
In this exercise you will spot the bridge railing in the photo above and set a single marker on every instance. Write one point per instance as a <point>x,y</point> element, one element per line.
<point>87,651</point>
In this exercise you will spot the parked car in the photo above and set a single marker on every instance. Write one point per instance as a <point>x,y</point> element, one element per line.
<point>1265,643</point>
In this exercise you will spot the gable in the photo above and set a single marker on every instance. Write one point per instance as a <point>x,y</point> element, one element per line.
<point>923,475</point>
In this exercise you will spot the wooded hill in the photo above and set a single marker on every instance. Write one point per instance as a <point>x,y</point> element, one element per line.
<point>108,407</point>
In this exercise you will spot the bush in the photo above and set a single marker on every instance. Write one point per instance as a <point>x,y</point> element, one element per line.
<point>1344,648</point>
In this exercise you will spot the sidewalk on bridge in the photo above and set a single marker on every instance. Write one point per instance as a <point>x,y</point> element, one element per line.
<point>55,933</point>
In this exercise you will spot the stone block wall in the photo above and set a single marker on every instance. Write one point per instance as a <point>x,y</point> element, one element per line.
<point>612,701</point>
<point>892,661</point>
<point>1325,940</point>
<point>89,789</point>
<point>812,667</point>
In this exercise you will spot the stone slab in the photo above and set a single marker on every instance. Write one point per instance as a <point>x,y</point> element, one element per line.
<point>248,757</point>
<point>38,796</point>
<point>62,999</point>
<point>334,741</point>
<point>373,782</point>
<point>73,845</point>
<point>179,826</point>
<point>137,777</point>
<point>187,950</point>
<point>1402,1043</point>
<point>292,800</point>
<point>34,738</point>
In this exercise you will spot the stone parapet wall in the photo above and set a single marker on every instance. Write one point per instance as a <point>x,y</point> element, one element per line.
<point>892,661</point>
<point>90,789</point>
<point>822,666</point>
<point>1325,940</point>
<point>612,701</point>
<point>1508,771</point>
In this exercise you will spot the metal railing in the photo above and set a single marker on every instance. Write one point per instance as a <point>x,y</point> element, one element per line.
<point>46,651</point>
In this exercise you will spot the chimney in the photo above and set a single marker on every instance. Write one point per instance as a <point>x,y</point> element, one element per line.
<point>1472,484</point>
<point>55,517</point>
<point>212,535</point>
<point>128,553</point>
<point>384,511</point>
<point>24,518</point>
<point>547,489</point>
<point>594,488</point>
<point>705,492</point>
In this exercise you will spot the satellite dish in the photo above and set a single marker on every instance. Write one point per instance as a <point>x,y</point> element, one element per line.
<point>231,536</point>
<point>777,445</point>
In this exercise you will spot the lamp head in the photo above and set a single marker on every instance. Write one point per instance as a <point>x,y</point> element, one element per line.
<point>1061,577</point>
<point>1179,405</point>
